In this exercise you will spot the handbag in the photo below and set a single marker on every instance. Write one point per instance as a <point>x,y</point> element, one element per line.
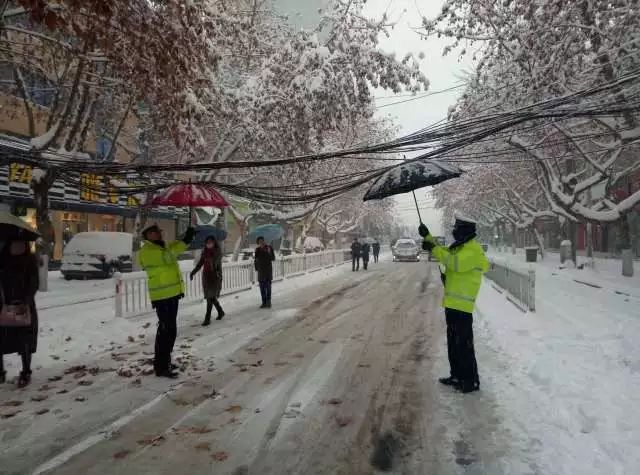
<point>16,314</point>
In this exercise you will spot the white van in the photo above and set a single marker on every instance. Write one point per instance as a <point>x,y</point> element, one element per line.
<point>97,255</point>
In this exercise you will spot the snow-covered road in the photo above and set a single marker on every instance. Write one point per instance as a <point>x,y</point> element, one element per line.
<point>339,378</point>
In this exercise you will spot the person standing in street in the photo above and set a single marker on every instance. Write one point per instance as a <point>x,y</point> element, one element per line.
<point>464,262</point>
<point>355,255</point>
<point>375,247</point>
<point>19,283</point>
<point>159,260</point>
<point>211,264</point>
<point>364,252</point>
<point>263,261</point>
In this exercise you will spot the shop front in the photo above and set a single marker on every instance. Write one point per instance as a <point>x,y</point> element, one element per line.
<point>74,211</point>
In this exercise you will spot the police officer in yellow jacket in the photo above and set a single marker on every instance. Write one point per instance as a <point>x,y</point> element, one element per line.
<point>160,261</point>
<point>465,262</point>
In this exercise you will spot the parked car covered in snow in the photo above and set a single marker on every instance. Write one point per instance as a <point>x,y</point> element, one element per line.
<point>97,255</point>
<point>313,244</point>
<point>406,250</point>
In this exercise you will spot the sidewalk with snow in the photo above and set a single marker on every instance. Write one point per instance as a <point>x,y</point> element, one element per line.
<point>568,375</point>
<point>77,320</point>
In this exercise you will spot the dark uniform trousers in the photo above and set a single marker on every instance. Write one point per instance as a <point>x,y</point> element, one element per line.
<point>462,357</point>
<point>167,311</point>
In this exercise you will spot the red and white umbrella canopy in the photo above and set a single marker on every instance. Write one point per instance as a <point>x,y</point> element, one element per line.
<point>192,195</point>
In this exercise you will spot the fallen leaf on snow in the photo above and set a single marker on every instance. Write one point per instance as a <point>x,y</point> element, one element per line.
<point>203,446</point>
<point>81,399</point>
<point>130,339</point>
<point>234,409</point>
<point>39,412</point>
<point>63,391</point>
<point>334,401</point>
<point>84,382</point>
<point>146,325</point>
<point>67,339</point>
<point>220,456</point>
<point>298,355</point>
<point>8,415</point>
<point>141,336</point>
<point>55,378</point>
<point>55,357</point>
<point>11,404</point>
<point>122,454</point>
<point>76,369</point>
<point>343,420</point>
<point>39,397</point>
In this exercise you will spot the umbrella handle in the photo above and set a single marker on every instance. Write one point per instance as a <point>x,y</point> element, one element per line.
<point>417,208</point>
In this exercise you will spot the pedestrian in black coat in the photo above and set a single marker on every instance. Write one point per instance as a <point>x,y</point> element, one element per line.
<point>375,247</point>
<point>364,252</point>
<point>263,261</point>
<point>19,283</point>
<point>355,254</point>
<point>211,264</point>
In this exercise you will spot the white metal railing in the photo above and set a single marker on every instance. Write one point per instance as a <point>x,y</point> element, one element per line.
<point>132,297</point>
<point>520,284</point>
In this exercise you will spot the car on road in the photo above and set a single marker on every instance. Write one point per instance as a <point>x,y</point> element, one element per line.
<point>406,250</point>
<point>97,255</point>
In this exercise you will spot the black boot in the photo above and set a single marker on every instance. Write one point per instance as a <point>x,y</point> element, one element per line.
<point>207,316</point>
<point>24,379</point>
<point>207,321</point>
<point>167,373</point>
<point>450,381</point>
<point>221,313</point>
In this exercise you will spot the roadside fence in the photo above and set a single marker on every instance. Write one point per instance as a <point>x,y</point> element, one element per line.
<point>132,297</point>
<point>519,284</point>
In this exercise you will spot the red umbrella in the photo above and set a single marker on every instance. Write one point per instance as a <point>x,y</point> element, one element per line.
<point>189,194</point>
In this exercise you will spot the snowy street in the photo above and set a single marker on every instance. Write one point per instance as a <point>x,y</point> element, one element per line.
<point>337,378</point>
<point>340,377</point>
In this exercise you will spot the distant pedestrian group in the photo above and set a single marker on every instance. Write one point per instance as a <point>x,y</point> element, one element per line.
<point>362,251</point>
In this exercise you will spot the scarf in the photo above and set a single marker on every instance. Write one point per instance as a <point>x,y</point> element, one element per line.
<point>209,256</point>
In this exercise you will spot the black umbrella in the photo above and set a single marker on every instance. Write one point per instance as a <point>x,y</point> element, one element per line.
<point>203,232</point>
<point>13,228</point>
<point>409,177</point>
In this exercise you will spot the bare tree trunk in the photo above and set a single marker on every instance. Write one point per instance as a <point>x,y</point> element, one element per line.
<point>572,234</point>
<point>41,189</point>
<point>625,245</point>
<point>514,237</point>
<point>540,241</point>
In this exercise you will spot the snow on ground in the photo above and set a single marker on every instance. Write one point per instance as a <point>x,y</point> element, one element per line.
<point>77,319</point>
<point>568,375</point>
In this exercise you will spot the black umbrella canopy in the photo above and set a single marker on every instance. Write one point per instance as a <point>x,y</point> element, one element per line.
<point>410,176</point>
<point>13,228</point>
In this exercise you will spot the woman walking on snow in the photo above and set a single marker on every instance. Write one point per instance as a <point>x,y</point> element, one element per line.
<point>18,284</point>
<point>211,264</point>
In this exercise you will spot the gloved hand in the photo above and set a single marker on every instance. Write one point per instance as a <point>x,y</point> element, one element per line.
<point>189,235</point>
<point>191,275</point>
<point>423,230</point>
<point>427,246</point>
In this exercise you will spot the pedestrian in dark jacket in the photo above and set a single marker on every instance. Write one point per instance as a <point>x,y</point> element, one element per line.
<point>211,264</point>
<point>375,247</point>
<point>19,284</point>
<point>364,252</point>
<point>263,262</point>
<point>355,255</point>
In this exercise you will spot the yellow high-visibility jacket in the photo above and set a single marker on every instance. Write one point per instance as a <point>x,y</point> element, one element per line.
<point>464,268</point>
<point>161,265</point>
